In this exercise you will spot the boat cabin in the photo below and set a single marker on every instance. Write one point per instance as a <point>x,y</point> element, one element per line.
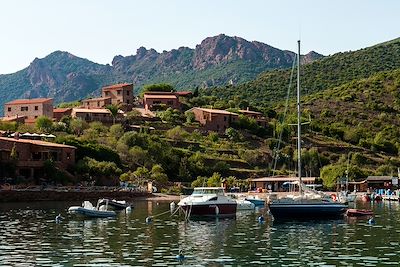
<point>208,191</point>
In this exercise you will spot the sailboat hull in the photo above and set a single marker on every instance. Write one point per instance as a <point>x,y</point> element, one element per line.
<point>305,211</point>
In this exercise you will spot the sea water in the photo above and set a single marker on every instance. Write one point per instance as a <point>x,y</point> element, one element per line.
<point>30,236</point>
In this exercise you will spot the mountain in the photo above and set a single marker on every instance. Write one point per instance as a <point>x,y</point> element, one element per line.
<point>215,61</point>
<point>328,72</point>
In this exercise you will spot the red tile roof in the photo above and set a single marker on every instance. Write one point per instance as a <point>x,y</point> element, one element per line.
<point>35,142</point>
<point>183,93</point>
<point>96,99</point>
<point>29,101</point>
<point>150,96</point>
<point>61,110</point>
<point>216,111</point>
<point>114,86</point>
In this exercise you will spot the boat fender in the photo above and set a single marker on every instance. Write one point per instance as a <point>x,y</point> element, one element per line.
<point>371,220</point>
<point>128,209</point>
<point>149,220</point>
<point>172,206</point>
<point>216,210</point>
<point>59,218</point>
<point>333,196</point>
<point>180,256</point>
<point>261,219</point>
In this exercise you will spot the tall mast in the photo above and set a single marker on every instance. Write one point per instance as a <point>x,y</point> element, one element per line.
<point>299,121</point>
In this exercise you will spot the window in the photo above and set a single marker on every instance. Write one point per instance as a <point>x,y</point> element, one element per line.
<point>127,101</point>
<point>98,103</point>
<point>36,156</point>
<point>36,107</point>
<point>54,156</point>
<point>127,92</point>
<point>9,109</point>
<point>118,92</point>
<point>24,108</point>
<point>107,93</point>
<point>170,102</point>
<point>224,118</point>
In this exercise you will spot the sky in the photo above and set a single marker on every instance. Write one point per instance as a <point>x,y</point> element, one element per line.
<point>99,30</point>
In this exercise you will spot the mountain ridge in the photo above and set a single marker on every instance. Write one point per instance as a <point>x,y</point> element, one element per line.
<point>215,61</point>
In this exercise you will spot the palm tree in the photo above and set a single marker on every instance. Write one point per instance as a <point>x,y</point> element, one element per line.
<point>114,111</point>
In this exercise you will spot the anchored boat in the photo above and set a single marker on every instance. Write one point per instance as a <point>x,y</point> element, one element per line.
<point>87,209</point>
<point>309,203</point>
<point>209,202</point>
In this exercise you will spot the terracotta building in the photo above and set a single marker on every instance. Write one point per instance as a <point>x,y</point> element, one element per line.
<point>214,119</point>
<point>258,116</point>
<point>58,113</point>
<point>29,108</point>
<point>99,102</point>
<point>154,100</point>
<point>99,114</point>
<point>120,94</point>
<point>31,156</point>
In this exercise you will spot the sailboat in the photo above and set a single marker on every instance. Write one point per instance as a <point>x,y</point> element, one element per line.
<point>309,203</point>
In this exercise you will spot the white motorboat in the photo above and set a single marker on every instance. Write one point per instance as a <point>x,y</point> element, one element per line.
<point>210,202</point>
<point>87,209</point>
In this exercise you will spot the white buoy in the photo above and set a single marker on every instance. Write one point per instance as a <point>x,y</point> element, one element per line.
<point>59,218</point>
<point>216,210</point>
<point>172,207</point>
<point>149,220</point>
<point>128,209</point>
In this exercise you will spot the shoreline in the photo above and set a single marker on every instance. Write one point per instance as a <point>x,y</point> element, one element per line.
<point>59,195</point>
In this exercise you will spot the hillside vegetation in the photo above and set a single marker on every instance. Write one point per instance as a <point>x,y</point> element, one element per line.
<point>328,72</point>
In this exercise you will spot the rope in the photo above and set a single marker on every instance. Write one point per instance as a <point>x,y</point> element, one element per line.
<point>284,117</point>
<point>159,214</point>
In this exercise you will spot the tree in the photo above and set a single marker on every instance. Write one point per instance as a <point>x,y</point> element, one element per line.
<point>177,133</point>
<point>172,115</point>
<point>134,116</point>
<point>44,124</point>
<point>190,117</point>
<point>142,174</point>
<point>116,131</point>
<point>158,175</point>
<point>160,87</point>
<point>113,110</point>
<point>77,125</point>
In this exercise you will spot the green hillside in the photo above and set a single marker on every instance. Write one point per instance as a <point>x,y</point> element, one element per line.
<point>331,71</point>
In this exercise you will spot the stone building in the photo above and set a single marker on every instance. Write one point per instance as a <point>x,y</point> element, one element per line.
<point>96,114</point>
<point>29,108</point>
<point>156,100</point>
<point>120,94</point>
<point>30,157</point>
<point>99,102</point>
<point>214,119</point>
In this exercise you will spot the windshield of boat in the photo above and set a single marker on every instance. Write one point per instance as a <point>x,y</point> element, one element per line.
<point>208,191</point>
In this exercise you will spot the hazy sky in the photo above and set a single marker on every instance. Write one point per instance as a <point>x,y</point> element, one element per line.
<point>100,29</point>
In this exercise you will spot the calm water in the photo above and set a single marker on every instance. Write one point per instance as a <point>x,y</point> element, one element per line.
<point>29,236</point>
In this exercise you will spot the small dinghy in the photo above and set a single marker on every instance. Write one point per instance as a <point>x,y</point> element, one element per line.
<point>358,213</point>
<point>243,204</point>
<point>114,204</point>
<point>88,210</point>
<point>255,200</point>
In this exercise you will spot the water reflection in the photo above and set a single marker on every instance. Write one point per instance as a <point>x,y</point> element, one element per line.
<point>29,236</point>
